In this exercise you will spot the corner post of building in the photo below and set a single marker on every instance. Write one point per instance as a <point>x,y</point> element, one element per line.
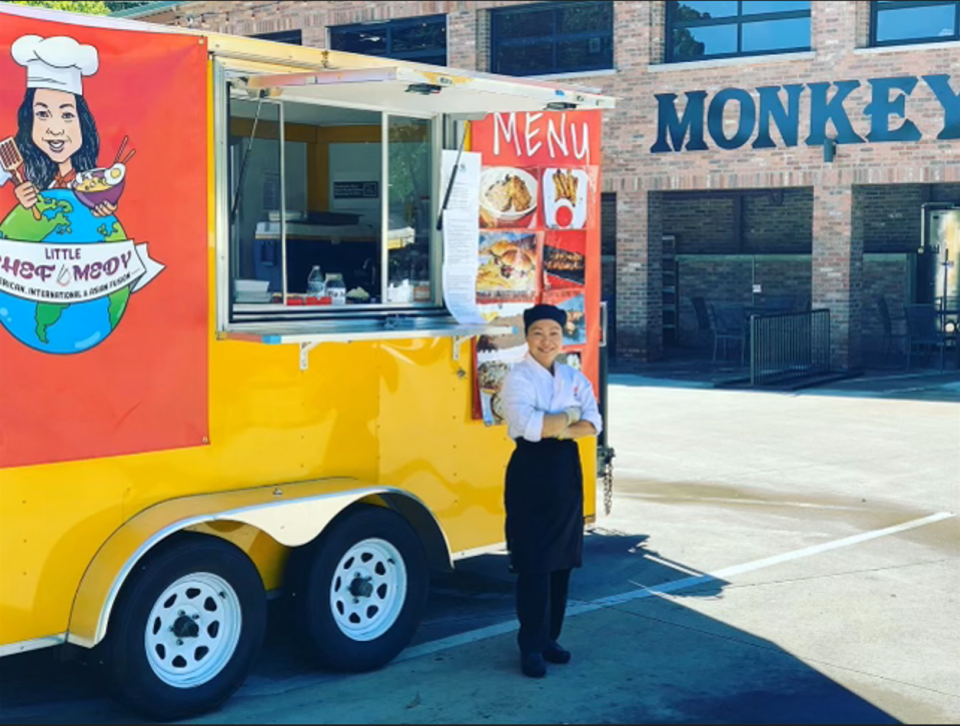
<point>639,275</point>
<point>837,273</point>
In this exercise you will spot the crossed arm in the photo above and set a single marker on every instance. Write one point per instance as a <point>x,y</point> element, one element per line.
<point>576,422</point>
<point>558,426</point>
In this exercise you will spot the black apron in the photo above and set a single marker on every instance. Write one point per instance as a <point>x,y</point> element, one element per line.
<point>544,503</point>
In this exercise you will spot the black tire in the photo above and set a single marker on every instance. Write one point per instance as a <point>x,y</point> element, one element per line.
<point>311,573</point>
<point>122,657</point>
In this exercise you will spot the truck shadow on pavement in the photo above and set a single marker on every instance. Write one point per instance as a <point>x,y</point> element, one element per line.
<point>643,653</point>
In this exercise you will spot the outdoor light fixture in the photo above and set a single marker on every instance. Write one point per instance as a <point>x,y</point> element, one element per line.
<point>950,327</point>
<point>424,89</point>
<point>561,106</point>
<point>829,149</point>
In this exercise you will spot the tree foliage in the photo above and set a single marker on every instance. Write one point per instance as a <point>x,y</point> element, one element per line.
<point>91,7</point>
<point>114,6</point>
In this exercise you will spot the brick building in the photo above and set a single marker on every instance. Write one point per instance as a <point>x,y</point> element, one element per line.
<point>759,149</point>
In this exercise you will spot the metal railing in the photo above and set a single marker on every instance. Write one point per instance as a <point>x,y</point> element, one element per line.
<point>785,347</point>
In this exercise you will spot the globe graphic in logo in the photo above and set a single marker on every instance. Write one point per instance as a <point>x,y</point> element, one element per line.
<point>53,327</point>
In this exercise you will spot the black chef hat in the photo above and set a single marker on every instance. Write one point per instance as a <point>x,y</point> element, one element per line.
<point>543,312</point>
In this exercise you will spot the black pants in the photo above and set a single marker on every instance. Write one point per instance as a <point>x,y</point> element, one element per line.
<point>541,604</point>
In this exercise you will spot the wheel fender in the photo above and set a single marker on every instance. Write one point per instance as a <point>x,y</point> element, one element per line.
<point>293,514</point>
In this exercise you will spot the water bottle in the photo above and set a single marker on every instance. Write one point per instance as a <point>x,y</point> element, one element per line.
<point>336,288</point>
<point>315,286</point>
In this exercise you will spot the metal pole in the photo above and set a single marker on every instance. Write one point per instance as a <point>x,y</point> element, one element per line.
<point>283,204</point>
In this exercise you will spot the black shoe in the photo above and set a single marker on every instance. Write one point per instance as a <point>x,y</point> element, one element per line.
<point>556,654</point>
<point>532,665</point>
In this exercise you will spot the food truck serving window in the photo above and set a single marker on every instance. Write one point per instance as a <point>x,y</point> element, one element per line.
<point>332,210</point>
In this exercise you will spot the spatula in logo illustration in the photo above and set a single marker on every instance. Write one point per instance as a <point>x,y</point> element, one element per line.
<point>12,162</point>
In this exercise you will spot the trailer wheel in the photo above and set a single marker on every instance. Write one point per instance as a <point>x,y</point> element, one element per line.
<point>358,592</point>
<point>185,630</point>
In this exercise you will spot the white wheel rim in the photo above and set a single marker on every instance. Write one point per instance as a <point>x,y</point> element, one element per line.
<point>368,590</point>
<point>193,630</point>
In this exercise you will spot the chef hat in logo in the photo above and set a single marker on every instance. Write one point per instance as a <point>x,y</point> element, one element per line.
<point>58,62</point>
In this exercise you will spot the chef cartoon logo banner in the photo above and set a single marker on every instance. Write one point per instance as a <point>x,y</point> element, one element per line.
<point>103,272</point>
<point>539,240</point>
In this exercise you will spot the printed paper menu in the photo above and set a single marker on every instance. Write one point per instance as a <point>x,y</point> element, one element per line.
<point>460,265</point>
<point>460,233</point>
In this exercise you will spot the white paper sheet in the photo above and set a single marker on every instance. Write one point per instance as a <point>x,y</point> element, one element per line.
<point>461,261</point>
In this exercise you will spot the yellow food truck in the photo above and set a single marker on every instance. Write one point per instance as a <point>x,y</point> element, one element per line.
<point>237,358</point>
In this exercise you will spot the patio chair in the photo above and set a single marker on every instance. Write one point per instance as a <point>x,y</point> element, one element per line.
<point>729,324</point>
<point>922,332</point>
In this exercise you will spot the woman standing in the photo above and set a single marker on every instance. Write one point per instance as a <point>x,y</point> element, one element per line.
<point>547,406</point>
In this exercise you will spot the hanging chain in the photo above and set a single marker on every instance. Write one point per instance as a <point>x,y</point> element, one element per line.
<point>608,455</point>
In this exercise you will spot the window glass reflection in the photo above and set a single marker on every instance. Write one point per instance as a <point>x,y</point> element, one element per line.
<point>696,43</point>
<point>691,10</point>
<point>585,53</point>
<point>410,267</point>
<point>422,36</point>
<point>525,60</point>
<point>362,41</point>
<point>420,39</point>
<point>583,18</point>
<point>756,7</point>
<point>554,37</point>
<point>704,30</point>
<point>776,35</point>
<point>932,22</point>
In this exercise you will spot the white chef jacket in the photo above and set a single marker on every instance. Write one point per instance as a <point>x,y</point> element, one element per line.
<point>530,391</point>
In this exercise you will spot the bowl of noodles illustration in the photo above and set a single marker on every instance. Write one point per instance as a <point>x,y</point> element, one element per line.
<point>100,185</point>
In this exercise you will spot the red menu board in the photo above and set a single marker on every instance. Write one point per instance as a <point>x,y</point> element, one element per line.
<point>539,238</point>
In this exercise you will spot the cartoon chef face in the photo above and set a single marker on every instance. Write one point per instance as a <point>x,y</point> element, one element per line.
<point>56,124</point>
<point>57,133</point>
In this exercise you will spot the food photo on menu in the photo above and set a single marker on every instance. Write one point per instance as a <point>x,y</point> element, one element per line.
<point>574,360</point>
<point>492,367</point>
<point>564,260</point>
<point>508,198</point>
<point>573,303</point>
<point>566,198</point>
<point>496,354</point>
<point>508,266</point>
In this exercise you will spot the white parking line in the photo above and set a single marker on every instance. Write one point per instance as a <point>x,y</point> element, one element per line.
<point>580,608</point>
<point>731,500</point>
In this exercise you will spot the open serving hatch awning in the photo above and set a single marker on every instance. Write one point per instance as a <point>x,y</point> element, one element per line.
<point>416,90</point>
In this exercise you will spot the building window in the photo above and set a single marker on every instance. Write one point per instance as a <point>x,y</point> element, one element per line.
<point>293,37</point>
<point>422,39</point>
<point>708,29</point>
<point>902,23</point>
<point>552,38</point>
